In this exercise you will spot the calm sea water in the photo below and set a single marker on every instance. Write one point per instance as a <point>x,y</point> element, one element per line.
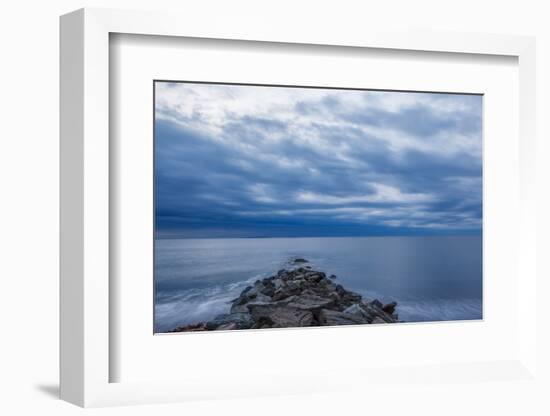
<point>431,278</point>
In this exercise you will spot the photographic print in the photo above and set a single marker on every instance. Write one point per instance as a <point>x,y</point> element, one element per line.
<point>287,206</point>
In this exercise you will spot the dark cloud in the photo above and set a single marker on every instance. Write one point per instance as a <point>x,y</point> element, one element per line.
<point>316,166</point>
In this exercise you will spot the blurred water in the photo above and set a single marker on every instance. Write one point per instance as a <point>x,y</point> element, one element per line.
<point>431,278</point>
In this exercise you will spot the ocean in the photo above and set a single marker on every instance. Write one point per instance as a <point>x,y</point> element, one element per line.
<point>431,278</point>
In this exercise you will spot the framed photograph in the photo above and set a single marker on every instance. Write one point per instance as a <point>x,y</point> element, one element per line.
<point>273,202</point>
<point>292,196</point>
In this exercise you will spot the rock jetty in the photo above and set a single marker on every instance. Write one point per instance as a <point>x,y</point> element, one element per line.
<point>299,297</point>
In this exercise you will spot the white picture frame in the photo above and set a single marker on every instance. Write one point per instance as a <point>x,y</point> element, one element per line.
<point>86,263</point>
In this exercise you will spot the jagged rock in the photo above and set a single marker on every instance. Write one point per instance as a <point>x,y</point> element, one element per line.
<point>254,294</point>
<point>375,310</point>
<point>389,308</point>
<point>314,277</point>
<point>310,302</point>
<point>238,308</point>
<point>227,327</point>
<point>296,298</point>
<point>285,291</point>
<point>299,260</point>
<point>242,320</point>
<point>191,328</point>
<point>356,309</point>
<point>329,317</point>
<point>279,316</point>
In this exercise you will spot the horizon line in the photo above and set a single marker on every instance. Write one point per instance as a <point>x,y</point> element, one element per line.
<point>473,234</point>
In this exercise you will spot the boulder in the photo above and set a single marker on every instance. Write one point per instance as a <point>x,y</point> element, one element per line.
<point>227,327</point>
<point>281,316</point>
<point>329,317</point>
<point>357,310</point>
<point>253,295</point>
<point>241,308</point>
<point>311,302</point>
<point>191,328</point>
<point>389,308</point>
<point>314,277</point>
<point>289,289</point>
<point>241,320</point>
<point>299,260</point>
<point>375,310</point>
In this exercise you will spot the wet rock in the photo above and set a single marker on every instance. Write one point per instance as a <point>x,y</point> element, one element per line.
<point>299,260</point>
<point>238,308</point>
<point>375,310</point>
<point>297,298</point>
<point>191,328</point>
<point>311,302</point>
<point>357,310</point>
<point>280,316</point>
<point>241,320</point>
<point>314,277</point>
<point>285,291</point>
<point>227,327</point>
<point>389,308</point>
<point>329,317</point>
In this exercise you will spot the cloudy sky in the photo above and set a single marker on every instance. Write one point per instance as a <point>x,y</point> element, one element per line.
<point>255,161</point>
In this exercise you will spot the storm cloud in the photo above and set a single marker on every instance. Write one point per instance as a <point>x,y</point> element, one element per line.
<point>260,161</point>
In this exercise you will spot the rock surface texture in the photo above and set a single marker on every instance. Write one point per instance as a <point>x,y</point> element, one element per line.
<point>299,297</point>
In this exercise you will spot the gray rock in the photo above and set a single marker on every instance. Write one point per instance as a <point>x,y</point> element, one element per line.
<point>278,283</point>
<point>289,289</point>
<point>242,320</point>
<point>357,310</point>
<point>280,316</point>
<point>241,308</point>
<point>314,277</point>
<point>297,298</point>
<point>311,302</point>
<point>329,317</point>
<point>299,260</point>
<point>227,327</point>
<point>375,310</point>
<point>389,308</point>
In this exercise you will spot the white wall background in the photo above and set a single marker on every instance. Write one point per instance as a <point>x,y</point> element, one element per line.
<point>29,56</point>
